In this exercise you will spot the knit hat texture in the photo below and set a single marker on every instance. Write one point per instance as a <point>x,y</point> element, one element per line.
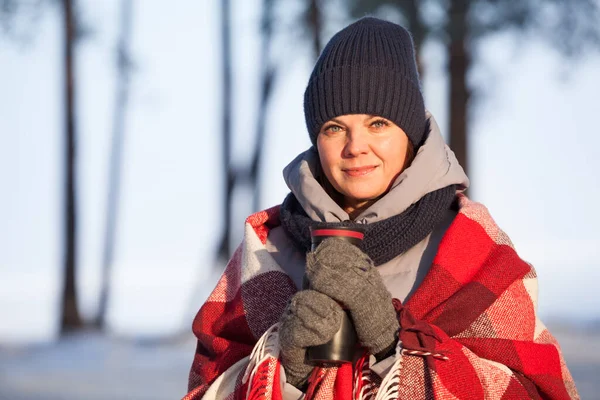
<point>368,67</point>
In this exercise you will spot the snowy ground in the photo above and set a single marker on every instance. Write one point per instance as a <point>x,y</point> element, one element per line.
<point>93,367</point>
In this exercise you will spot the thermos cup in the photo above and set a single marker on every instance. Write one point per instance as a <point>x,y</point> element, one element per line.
<point>343,346</point>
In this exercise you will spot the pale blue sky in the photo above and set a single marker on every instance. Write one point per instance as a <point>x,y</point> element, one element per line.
<point>534,138</point>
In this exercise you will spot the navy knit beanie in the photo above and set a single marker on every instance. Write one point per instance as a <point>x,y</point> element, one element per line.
<point>368,67</point>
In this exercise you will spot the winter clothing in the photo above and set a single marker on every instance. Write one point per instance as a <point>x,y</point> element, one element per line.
<point>384,239</point>
<point>367,68</point>
<point>469,331</point>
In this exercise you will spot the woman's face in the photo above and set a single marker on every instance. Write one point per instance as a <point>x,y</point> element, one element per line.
<point>361,156</point>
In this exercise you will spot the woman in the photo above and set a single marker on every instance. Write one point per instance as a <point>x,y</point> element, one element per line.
<point>442,305</point>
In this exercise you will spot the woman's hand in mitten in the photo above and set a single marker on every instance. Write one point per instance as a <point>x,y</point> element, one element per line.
<point>310,319</point>
<point>343,272</point>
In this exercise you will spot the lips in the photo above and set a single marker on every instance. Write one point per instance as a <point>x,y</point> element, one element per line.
<point>359,171</point>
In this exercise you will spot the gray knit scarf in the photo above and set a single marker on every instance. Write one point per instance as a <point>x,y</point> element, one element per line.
<point>384,239</point>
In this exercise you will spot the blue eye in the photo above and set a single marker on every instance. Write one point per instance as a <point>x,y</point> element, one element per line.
<point>380,123</point>
<point>332,129</point>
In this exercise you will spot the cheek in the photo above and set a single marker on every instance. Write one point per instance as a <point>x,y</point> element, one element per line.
<point>326,156</point>
<point>393,154</point>
<point>398,161</point>
<point>328,168</point>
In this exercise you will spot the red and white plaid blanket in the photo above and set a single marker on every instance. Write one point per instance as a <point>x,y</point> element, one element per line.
<point>470,331</point>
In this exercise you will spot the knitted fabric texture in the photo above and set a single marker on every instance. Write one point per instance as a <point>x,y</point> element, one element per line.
<point>310,319</point>
<point>368,67</point>
<point>384,239</point>
<point>472,331</point>
<point>340,270</point>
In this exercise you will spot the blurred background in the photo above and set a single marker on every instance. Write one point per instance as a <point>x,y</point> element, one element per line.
<point>136,136</point>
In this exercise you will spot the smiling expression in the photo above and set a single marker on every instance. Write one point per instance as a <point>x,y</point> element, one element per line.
<point>361,156</point>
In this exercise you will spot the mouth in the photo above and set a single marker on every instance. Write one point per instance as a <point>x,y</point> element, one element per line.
<point>359,171</point>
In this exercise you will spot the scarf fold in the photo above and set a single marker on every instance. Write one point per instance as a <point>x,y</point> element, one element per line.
<point>385,239</point>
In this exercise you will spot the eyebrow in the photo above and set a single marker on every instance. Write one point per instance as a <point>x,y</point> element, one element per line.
<point>368,116</point>
<point>371,116</point>
<point>337,121</point>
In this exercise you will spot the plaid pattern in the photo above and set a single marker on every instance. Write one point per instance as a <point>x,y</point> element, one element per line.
<point>470,331</point>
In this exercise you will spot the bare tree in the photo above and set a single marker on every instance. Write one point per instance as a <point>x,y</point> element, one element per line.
<point>116,157</point>
<point>418,29</point>
<point>458,66</point>
<point>314,21</point>
<point>235,174</point>
<point>223,252</point>
<point>10,12</point>
<point>70,318</point>
<point>267,78</point>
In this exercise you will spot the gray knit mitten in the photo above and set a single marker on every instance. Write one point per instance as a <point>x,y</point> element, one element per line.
<point>311,319</point>
<point>343,272</point>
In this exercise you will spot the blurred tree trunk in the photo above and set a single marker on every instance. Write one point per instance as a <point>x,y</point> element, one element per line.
<point>315,23</point>
<point>223,252</point>
<point>116,157</point>
<point>418,30</point>
<point>70,318</point>
<point>267,72</point>
<point>458,65</point>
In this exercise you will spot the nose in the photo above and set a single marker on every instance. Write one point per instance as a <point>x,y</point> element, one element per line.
<point>356,143</point>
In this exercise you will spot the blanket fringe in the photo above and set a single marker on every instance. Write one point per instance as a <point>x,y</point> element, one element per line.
<point>390,386</point>
<point>266,347</point>
<point>364,388</point>
<point>315,380</point>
